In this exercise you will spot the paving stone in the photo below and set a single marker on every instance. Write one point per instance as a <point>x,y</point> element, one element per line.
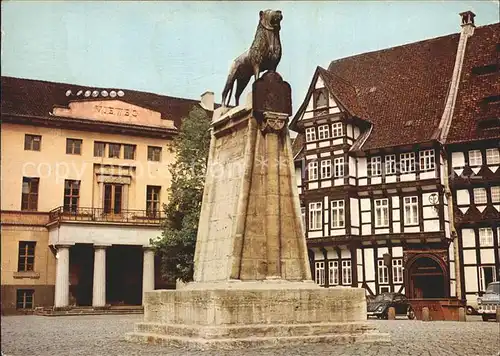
<point>103,335</point>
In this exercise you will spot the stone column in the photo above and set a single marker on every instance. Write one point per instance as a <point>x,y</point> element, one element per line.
<point>61,299</point>
<point>148,271</point>
<point>99,287</point>
<point>272,126</point>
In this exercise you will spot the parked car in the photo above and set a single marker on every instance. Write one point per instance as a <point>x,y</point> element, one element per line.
<point>380,305</point>
<point>489,302</point>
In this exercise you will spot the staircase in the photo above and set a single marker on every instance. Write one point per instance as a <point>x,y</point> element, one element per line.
<point>79,310</point>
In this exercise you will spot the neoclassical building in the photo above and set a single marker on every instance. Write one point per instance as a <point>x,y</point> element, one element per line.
<point>397,159</point>
<point>84,176</point>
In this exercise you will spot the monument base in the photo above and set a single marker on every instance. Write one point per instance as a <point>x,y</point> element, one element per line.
<point>260,314</point>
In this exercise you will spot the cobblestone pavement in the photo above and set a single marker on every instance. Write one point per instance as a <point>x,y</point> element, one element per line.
<point>103,335</point>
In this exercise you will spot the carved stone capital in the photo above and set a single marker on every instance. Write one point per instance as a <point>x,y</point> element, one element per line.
<point>273,122</point>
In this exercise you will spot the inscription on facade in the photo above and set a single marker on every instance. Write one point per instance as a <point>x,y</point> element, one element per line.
<point>109,110</point>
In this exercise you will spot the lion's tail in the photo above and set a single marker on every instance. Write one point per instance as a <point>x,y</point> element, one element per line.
<point>228,88</point>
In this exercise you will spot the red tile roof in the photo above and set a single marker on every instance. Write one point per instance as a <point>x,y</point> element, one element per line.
<point>401,90</point>
<point>37,98</point>
<point>472,110</point>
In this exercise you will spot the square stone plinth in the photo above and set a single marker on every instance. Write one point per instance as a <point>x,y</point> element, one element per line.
<point>255,315</point>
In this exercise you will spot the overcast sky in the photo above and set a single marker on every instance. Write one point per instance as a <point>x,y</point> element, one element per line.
<point>185,48</point>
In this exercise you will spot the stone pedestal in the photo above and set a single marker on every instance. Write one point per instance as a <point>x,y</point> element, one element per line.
<point>252,283</point>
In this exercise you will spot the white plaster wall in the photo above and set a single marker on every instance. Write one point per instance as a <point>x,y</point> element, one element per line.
<point>324,143</point>
<point>407,177</point>
<point>468,238</point>
<point>326,183</point>
<point>369,264</point>
<point>337,232</point>
<point>395,202</point>
<point>487,256</point>
<point>345,253</point>
<point>463,197</point>
<point>428,175</point>
<point>315,233</point>
<point>331,254</point>
<point>103,234</point>
<point>352,166</point>
<point>349,130</point>
<point>457,159</point>
<point>366,217</point>
<point>355,230</point>
<point>366,229</point>
<point>356,132</point>
<point>397,251</point>
<point>354,205</point>
<point>365,204</point>
<point>469,256</point>
<point>470,279</point>
<point>396,227</point>
<point>381,231</point>
<point>412,229</point>
<point>319,83</point>
<point>376,180</point>
<point>396,214</point>
<point>337,141</point>
<point>431,225</point>
<point>381,251</point>
<point>310,146</point>
<point>362,169</point>
<point>313,185</point>
<point>390,179</point>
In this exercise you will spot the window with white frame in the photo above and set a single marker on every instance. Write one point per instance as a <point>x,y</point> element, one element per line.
<point>376,166</point>
<point>411,210</point>
<point>492,156</point>
<point>495,194</point>
<point>315,216</point>
<point>310,134</point>
<point>383,272</point>
<point>346,272</point>
<point>390,164</point>
<point>397,270</point>
<point>475,158</point>
<point>337,129</point>
<point>326,169</point>
<point>407,162</point>
<point>333,273</point>
<point>323,132</point>
<point>320,273</point>
<point>381,212</point>
<point>312,169</point>
<point>338,167</point>
<point>338,213</point>
<point>303,216</point>
<point>480,196</point>
<point>486,276</point>
<point>485,237</point>
<point>427,160</point>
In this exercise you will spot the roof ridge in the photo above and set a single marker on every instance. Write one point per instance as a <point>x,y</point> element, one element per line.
<point>83,86</point>
<point>410,44</point>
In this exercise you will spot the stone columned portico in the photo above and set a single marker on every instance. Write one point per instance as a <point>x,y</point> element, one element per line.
<point>252,284</point>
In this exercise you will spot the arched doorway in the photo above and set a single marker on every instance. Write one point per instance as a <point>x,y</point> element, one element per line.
<point>426,277</point>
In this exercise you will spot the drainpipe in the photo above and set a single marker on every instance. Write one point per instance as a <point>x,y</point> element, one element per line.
<point>451,218</point>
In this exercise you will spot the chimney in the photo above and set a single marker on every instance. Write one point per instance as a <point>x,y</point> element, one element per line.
<point>207,100</point>
<point>468,18</point>
<point>468,27</point>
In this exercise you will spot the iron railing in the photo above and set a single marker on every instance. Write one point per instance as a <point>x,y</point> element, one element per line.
<point>134,217</point>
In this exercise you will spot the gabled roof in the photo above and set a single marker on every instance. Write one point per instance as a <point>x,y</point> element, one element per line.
<point>473,110</point>
<point>37,98</point>
<point>401,90</point>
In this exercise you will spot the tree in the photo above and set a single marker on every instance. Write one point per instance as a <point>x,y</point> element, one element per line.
<point>177,244</point>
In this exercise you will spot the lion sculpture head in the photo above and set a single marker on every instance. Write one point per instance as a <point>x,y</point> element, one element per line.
<point>271,19</point>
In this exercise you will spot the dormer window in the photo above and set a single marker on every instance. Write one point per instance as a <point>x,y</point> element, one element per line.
<point>475,158</point>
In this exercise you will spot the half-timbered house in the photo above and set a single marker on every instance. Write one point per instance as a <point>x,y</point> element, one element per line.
<point>373,166</point>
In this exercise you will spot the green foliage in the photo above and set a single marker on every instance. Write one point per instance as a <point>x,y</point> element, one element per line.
<point>177,243</point>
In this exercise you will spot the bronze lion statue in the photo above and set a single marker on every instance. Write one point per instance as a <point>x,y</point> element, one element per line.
<point>264,54</point>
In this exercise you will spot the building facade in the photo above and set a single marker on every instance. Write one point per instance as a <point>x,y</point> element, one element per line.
<point>84,176</point>
<point>397,167</point>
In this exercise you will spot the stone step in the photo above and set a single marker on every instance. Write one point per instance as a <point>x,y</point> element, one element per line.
<point>88,311</point>
<point>255,342</point>
<point>256,330</point>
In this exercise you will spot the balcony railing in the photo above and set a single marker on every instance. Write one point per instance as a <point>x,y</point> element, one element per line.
<point>132,217</point>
